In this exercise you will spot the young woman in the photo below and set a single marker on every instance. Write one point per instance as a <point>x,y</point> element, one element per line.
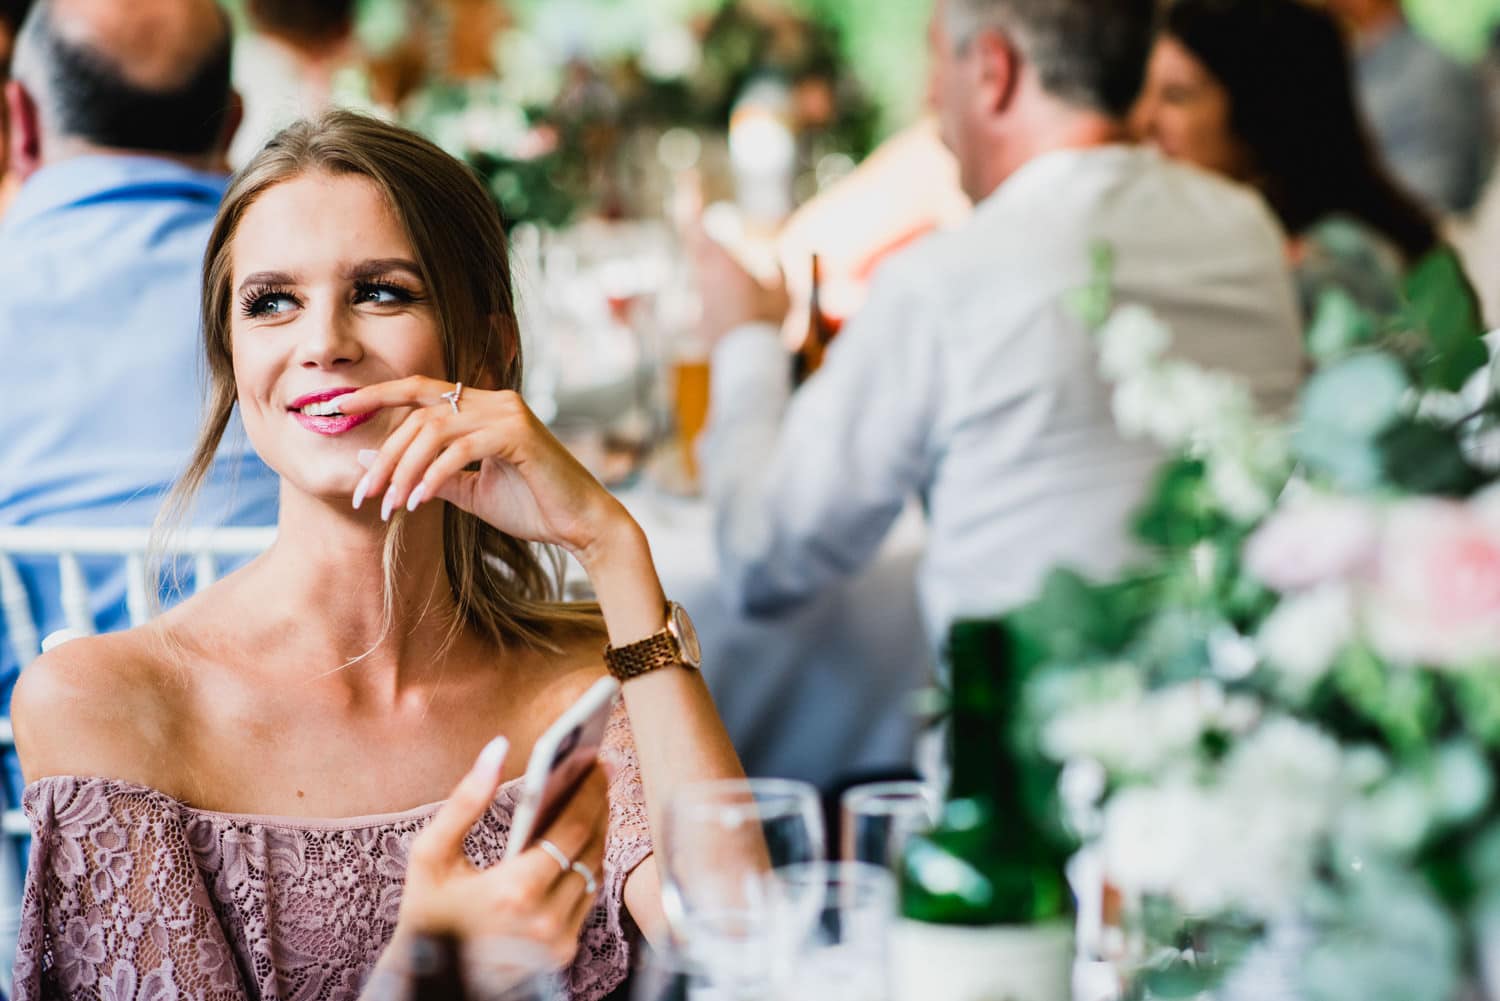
<point>1262,91</point>
<point>227,803</point>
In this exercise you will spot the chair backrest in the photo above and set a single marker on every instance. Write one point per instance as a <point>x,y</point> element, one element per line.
<point>204,546</point>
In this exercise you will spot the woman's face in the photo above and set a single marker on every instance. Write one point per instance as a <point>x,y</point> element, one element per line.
<point>1185,111</point>
<point>326,299</point>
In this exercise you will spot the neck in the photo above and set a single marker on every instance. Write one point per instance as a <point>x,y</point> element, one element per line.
<point>1041,133</point>
<point>326,573</point>
<point>61,148</point>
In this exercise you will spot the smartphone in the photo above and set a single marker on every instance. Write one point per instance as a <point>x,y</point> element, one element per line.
<point>559,760</point>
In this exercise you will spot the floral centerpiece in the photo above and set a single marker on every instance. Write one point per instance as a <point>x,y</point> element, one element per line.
<point>555,131</point>
<point>1279,732</point>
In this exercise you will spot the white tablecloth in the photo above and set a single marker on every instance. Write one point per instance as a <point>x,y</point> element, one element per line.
<point>820,693</point>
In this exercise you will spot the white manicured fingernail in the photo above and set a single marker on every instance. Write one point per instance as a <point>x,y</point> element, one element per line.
<point>387,503</point>
<point>417,496</point>
<point>366,457</point>
<point>493,756</point>
<point>361,490</point>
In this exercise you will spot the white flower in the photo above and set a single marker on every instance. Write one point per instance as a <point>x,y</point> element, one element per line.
<point>1131,342</point>
<point>1246,838</point>
<point>1306,632</point>
<point>1138,733</point>
<point>1237,487</point>
<point>1311,540</point>
<point>1177,404</point>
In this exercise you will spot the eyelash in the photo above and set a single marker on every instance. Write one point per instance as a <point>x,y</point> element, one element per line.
<point>254,300</point>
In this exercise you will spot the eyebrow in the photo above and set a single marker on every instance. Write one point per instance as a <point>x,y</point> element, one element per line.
<point>268,278</point>
<point>382,266</point>
<point>365,270</point>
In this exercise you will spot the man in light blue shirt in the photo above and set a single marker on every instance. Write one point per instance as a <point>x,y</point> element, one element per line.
<point>120,115</point>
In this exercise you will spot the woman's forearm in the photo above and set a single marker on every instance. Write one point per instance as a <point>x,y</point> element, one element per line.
<point>679,737</point>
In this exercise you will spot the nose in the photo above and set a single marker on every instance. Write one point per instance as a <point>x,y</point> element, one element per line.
<point>330,340</point>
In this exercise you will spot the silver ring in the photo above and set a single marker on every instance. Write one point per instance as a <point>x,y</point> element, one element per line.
<point>456,394</point>
<point>558,855</point>
<point>590,884</point>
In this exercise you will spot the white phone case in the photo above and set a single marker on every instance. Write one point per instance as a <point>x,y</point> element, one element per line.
<point>559,760</point>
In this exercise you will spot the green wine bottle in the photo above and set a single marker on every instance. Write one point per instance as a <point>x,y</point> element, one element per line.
<point>984,897</point>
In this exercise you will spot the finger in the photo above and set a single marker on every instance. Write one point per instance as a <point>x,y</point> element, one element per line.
<point>437,433</point>
<point>378,471</point>
<point>447,471</point>
<point>443,839</point>
<point>413,391</point>
<point>585,815</point>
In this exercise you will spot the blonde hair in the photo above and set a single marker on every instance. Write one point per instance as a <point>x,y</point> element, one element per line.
<point>500,585</point>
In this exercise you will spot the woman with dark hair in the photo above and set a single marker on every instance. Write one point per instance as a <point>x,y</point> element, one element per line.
<point>1262,91</point>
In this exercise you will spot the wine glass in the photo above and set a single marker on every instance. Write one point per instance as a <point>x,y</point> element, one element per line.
<point>723,847</point>
<point>877,819</point>
<point>844,955</point>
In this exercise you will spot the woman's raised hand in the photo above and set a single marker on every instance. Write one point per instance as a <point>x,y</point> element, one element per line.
<point>527,485</point>
<point>528,896</point>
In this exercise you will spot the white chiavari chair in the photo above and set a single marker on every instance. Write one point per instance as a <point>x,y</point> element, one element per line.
<point>208,550</point>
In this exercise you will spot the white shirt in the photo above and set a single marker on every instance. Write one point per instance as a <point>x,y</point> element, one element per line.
<point>968,381</point>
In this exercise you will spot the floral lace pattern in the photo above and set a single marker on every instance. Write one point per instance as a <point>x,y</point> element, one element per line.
<point>134,896</point>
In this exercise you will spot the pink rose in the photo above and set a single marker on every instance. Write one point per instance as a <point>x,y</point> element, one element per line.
<point>1312,540</point>
<point>1436,599</point>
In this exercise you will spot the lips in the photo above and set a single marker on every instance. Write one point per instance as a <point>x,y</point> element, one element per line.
<point>330,425</point>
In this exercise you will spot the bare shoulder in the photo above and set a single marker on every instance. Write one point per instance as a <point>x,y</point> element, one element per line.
<point>570,671</point>
<point>98,706</point>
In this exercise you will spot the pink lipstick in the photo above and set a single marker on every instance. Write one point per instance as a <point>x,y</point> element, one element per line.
<point>330,425</point>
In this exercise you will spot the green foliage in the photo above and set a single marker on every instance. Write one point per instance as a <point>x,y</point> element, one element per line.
<point>1182,510</point>
<point>1442,305</point>
<point>1402,703</point>
<point>1426,458</point>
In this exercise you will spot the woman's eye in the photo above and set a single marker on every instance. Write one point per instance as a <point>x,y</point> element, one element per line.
<point>270,304</point>
<point>382,295</point>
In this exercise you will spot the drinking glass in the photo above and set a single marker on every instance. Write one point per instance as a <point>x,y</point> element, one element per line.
<point>877,819</point>
<point>843,956</point>
<point>723,846</point>
<point>667,974</point>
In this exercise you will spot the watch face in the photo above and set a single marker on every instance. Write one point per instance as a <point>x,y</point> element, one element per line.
<point>687,636</point>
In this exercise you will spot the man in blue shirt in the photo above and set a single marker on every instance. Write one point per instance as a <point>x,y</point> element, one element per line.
<point>119,116</point>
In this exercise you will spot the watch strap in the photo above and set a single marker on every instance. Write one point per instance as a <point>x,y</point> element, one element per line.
<point>643,656</point>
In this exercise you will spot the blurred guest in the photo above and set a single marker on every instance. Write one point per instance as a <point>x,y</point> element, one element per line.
<point>1291,127</point>
<point>968,379</point>
<point>12,13</point>
<point>1427,111</point>
<point>119,116</point>
<point>284,69</point>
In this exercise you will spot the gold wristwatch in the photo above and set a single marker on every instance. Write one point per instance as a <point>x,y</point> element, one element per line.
<point>674,646</point>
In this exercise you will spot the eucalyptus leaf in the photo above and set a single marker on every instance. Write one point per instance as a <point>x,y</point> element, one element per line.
<point>1426,459</point>
<point>1339,325</point>
<point>1360,396</point>
<point>1441,303</point>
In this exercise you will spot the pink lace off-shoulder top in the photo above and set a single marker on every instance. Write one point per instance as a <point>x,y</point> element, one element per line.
<point>132,895</point>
